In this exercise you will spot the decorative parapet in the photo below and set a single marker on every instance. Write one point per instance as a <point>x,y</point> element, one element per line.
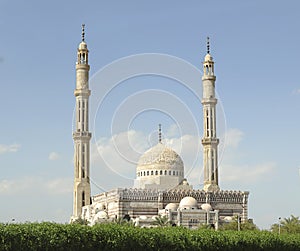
<point>174,195</point>
<point>133,194</point>
<point>207,197</point>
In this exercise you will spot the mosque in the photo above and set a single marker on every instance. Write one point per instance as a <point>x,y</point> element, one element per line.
<point>160,187</point>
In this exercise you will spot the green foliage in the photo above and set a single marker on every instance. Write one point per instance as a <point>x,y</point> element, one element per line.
<point>234,226</point>
<point>52,236</point>
<point>124,222</point>
<point>289,225</point>
<point>162,221</point>
<point>80,221</point>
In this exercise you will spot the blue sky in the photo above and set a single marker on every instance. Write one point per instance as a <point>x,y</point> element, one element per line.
<point>255,45</point>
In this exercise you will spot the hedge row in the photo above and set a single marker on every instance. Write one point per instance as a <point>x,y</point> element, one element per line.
<point>52,236</point>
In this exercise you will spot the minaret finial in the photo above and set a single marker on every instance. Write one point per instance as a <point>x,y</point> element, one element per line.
<point>207,44</point>
<point>159,133</point>
<point>82,32</point>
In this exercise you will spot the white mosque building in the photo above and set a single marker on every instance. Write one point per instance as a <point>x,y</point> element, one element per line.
<point>160,187</point>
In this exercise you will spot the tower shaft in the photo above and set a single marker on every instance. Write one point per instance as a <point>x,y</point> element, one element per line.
<point>209,141</point>
<point>81,135</point>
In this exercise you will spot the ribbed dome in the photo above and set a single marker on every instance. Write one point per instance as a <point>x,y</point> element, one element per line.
<point>160,156</point>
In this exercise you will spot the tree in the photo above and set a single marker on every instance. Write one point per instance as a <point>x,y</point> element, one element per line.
<point>80,221</point>
<point>287,225</point>
<point>162,221</point>
<point>233,225</point>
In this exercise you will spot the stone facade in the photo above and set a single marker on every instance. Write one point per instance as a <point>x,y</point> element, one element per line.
<point>146,204</point>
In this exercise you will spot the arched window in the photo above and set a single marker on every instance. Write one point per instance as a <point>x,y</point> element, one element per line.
<point>151,172</point>
<point>165,172</point>
<point>160,172</point>
<point>156,172</point>
<point>83,199</point>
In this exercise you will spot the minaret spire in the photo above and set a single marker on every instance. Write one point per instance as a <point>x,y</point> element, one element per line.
<point>209,141</point>
<point>82,32</point>
<point>81,135</point>
<point>159,133</point>
<point>207,44</point>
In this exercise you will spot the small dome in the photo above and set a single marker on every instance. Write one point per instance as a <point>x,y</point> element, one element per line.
<point>228,218</point>
<point>171,206</point>
<point>208,57</point>
<point>82,46</point>
<point>188,203</point>
<point>160,157</point>
<point>101,215</point>
<point>206,207</point>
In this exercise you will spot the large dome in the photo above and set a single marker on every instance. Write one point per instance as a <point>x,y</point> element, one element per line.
<point>159,168</point>
<point>160,156</point>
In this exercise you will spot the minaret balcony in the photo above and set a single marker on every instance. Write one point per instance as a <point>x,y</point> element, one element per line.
<point>80,134</point>
<point>82,92</point>
<point>210,141</point>
<point>210,100</point>
<point>209,77</point>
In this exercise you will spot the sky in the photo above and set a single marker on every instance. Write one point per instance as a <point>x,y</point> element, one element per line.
<point>146,59</point>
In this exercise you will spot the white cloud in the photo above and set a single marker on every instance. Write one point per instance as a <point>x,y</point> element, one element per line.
<point>9,148</point>
<point>233,137</point>
<point>36,185</point>
<point>247,173</point>
<point>59,186</point>
<point>172,131</point>
<point>114,159</point>
<point>54,156</point>
<point>297,91</point>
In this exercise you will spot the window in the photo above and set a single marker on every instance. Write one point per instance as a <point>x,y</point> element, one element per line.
<point>83,199</point>
<point>147,173</point>
<point>170,172</point>
<point>160,172</point>
<point>211,123</point>
<point>79,111</point>
<point>212,165</point>
<point>151,172</point>
<point>156,172</point>
<point>165,172</point>
<point>207,123</point>
<point>206,69</point>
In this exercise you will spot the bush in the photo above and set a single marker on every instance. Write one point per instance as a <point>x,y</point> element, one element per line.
<point>52,236</point>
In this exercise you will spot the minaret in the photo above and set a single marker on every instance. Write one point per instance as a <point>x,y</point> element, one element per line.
<point>82,136</point>
<point>210,141</point>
